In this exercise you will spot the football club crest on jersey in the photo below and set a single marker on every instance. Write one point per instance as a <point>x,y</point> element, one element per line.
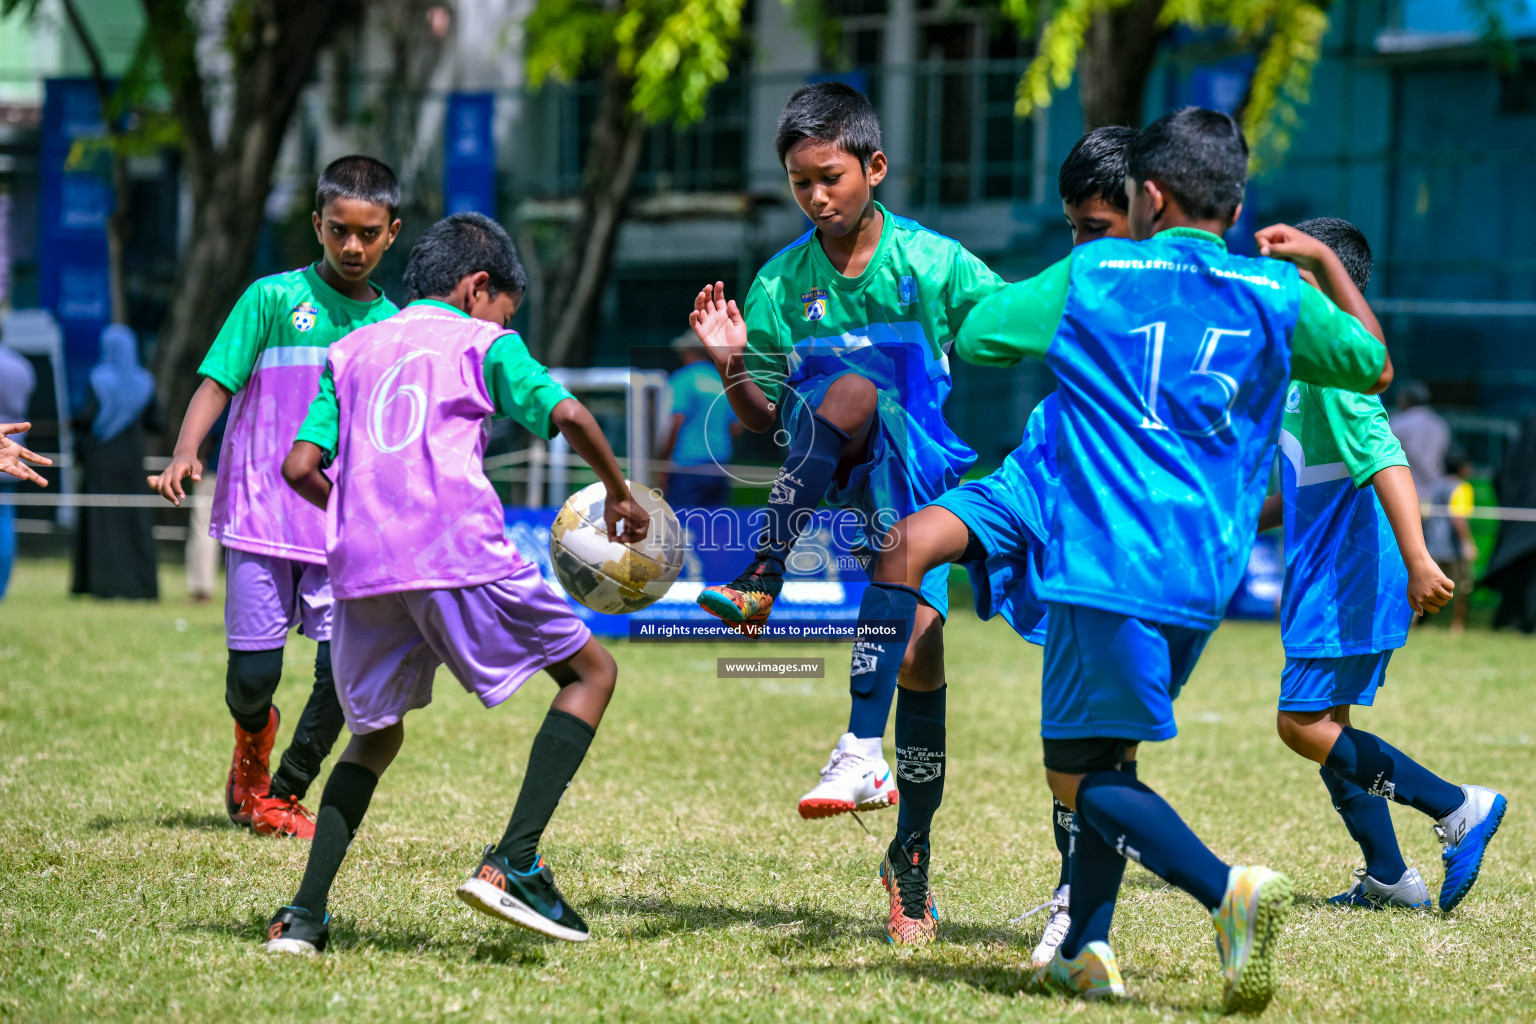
<point>906,289</point>
<point>1293,398</point>
<point>815,303</point>
<point>303,317</point>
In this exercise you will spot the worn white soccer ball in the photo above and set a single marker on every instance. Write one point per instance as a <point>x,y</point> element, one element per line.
<point>608,576</point>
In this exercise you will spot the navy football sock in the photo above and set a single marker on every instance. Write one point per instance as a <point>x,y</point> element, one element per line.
<point>1095,869</point>
<point>919,758</point>
<point>1369,822</point>
<point>876,662</point>
<point>1141,825</point>
<point>799,486</point>
<point>1062,827</point>
<point>1381,769</point>
<point>342,806</point>
<point>558,750</point>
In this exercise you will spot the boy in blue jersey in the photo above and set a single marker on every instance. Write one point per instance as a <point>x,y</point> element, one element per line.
<point>996,527</point>
<point>846,328</point>
<point>1356,570</point>
<point>1172,358</point>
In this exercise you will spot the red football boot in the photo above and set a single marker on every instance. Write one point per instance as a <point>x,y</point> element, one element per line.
<point>249,776</point>
<point>282,816</point>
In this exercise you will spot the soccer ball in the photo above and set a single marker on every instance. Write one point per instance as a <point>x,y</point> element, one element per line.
<point>608,576</point>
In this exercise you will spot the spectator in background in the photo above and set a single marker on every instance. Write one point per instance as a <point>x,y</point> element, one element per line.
<point>1423,433</point>
<point>1449,537</point>
<point>701,436</point>
<point>115,547</point>
<point>1511,569</point>
<point>17,380</point>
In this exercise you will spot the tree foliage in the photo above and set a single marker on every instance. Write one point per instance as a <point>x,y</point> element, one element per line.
<point>1286,35</point>
<point>673,52</point>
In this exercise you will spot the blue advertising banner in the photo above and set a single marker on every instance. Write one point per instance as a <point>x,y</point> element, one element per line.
<point>825,584</point>
<point>74,205</point>
<point>469,167</point>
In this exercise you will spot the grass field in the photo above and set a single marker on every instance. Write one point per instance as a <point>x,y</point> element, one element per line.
<point>125,893</point>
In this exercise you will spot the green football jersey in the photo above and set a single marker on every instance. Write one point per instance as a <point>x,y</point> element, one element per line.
<point>916,290</point>
<point>270,352</point>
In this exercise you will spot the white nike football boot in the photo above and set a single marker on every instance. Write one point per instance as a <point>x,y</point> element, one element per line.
<point>856,778</point>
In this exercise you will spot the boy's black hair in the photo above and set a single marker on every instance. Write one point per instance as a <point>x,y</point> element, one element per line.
<point>1455,460</point>
<point>1096,167</point>
<point>1198,156</point>
<point>358,177</point>
<point>829,112</point>
<point>460,245</point>
<point>1347,242</point>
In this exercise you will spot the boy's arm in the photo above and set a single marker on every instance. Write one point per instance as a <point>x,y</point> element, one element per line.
<point>1428,587</point>
<point>203,412</point>
<point>578,427</point>
<point>14,457</point>
<point>1324,267</point>
<point>225,370</point>
<point>1330,346</point>
<point>723,332</point>
<point>302,471</point>
<point>522,389</point>
<point>315,446</point>
<point>1019,320</point>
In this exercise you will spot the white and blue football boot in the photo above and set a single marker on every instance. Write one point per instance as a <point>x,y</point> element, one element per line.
<point>1464,835</point>
<point>1408,892</point>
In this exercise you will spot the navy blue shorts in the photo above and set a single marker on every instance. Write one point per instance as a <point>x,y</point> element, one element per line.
<point>1317,684</point>
<point>1113,675</point>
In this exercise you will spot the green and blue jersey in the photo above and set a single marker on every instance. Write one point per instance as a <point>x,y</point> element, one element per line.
<point>1173,358</point>
<point>1345,582</point>
<point>808,324</point>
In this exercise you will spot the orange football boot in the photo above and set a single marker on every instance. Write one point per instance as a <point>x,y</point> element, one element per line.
<point>282,816</point>
<point>249,776</point>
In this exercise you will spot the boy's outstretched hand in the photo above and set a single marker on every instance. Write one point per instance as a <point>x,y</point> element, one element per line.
<point>637,521</point>
<point>14,457</point>
<point>718,324</point>
<point>168,483</point>
<point>1284,242</point>
<point>1429,589</point>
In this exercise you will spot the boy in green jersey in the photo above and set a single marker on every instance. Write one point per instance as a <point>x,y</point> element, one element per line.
<point>268,358</point>
<point>847,330</point>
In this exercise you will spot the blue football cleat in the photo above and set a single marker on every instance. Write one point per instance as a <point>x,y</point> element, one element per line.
<point>1464,835</point>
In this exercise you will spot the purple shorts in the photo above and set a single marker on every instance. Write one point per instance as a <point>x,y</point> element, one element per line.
<point>492,637</point>
<point>266,596</point>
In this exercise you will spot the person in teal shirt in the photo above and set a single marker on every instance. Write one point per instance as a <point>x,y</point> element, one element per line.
<point>701,434</point>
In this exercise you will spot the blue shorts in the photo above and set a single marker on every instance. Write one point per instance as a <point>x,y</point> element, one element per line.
<point>913,457</point>
<point>1317,684</point>
<point>1007,580</point>
<point>1113,676</point>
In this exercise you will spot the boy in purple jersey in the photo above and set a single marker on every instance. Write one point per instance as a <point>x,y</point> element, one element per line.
<point>267,359</point>
<point>421,568</point>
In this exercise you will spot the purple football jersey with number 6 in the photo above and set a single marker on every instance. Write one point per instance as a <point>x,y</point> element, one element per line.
<point>413,509</point>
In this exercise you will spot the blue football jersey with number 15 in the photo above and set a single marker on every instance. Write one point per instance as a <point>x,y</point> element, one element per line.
<point>1172,357</point>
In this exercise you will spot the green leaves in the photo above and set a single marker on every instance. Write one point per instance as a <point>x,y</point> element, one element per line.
<point>673,52</point>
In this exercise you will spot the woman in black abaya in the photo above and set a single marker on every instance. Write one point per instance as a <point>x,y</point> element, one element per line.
<point>115,547</point>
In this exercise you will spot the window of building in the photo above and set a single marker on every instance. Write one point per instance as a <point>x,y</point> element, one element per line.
<point>969,147</point>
